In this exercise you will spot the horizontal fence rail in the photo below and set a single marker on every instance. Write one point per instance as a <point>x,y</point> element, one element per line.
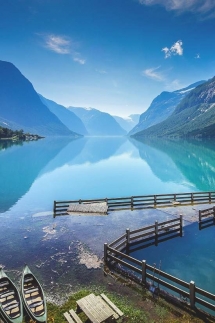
<point>141,202</point>
<point>207,214</point>
<point>116,255</point>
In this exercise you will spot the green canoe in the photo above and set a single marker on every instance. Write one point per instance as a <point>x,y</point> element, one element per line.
<point>33,296</point>
<point>11,309</point>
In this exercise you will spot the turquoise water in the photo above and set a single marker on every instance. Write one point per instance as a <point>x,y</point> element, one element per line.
<point>34,174</point>
<point>191,257</point>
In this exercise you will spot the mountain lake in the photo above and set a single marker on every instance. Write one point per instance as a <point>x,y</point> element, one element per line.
<point>66,252</point>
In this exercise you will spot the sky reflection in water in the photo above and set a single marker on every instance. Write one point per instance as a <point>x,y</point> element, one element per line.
<point>35,174</point>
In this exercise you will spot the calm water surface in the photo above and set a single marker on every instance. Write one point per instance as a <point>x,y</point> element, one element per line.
<point>34,174</point>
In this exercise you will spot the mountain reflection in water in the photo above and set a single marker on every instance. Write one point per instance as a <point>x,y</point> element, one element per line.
<point>34,174</point>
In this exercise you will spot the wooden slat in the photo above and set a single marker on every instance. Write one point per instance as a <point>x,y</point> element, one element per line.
<point>204,303</point>
<point>204,293</point>
<point>115,315</point>
<point>95,310</point>
<point>68,317</point>
<point>142,229</point>
<point>75,316</point>
<point>119,253</point>
<point>112,305</point>
<point>117,240</point>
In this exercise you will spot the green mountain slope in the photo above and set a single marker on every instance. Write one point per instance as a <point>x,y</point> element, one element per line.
<point>193,117</point>
<point>162,107</point>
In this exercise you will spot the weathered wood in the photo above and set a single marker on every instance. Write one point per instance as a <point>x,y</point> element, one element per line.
<point>75,316</point>
<point>68,317</point>
<point>142,229</point>
<point>95,309</point>
<point>175,225</point>
<point>112,305</point>
<point>115,315</point>
<point>117,240</point>
<point>88,208</point>
<point>205,293</point>
<point>204,303</point>
<point>138,202</point>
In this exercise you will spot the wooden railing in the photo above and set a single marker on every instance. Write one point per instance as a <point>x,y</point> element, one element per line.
<point>141,202</point>
<point>116,254</point>
<point>206,218</point>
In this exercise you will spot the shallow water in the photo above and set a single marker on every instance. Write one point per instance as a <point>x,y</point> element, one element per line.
<point>35,174</point>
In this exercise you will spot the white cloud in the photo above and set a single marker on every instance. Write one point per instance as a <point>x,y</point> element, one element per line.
<point>58,44</point>
<point>62,45</point>
<point>79,60</point>
<point>197,6</point>
<point>175,49</point>
<point>153,74</point>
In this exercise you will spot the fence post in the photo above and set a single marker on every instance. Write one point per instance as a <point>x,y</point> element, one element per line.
<point>209,197</point>
<point>156,233</point>
<point>105,253</point>
<point>155,200</point>
<point>54,214</point>
<point>143,271</point>
<point>132,202</point>
<point>191,197</point>
<point>79,201</point>
<point>192,293</point>
<point>128,236</point>
<point>181,225</point>
<point>200,218</point>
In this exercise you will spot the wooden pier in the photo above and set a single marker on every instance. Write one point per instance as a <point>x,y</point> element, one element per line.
<point>140,202</point>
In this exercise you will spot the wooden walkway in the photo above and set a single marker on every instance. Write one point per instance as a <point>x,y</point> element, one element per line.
<point>99,208</point>
<point>136,202</point>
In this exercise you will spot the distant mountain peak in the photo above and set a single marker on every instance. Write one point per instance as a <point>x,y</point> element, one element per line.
<point>194,116</point>
<point>162,107</point>
<point>98,123</point>
<point>21,107</point>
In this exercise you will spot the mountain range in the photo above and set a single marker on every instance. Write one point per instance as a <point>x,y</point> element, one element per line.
<point>21,107</point>
<point>162,107</point>
<point>128,123</point>
<point>68,118</point>
<point>188,112</point>
<point>98,123</point>
<point>194,116</point>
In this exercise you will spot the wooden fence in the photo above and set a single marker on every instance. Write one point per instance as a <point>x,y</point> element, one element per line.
<point>206,218</point>
<point>117,254</point>
<point>141,202</point>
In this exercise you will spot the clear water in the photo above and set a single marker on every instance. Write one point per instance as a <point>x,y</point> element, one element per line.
<point>34,174</point>
<point>191,257</point>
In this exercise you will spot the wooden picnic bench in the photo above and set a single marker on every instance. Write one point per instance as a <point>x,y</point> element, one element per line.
<point>98,309</point>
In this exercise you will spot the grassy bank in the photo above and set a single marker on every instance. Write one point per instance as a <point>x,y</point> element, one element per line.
<point>137,304</point>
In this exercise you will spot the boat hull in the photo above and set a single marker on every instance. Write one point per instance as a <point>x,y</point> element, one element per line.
<point>11,308</point>
<point>33,297</point>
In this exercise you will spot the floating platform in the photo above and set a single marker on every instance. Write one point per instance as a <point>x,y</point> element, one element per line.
<point>99,208</point>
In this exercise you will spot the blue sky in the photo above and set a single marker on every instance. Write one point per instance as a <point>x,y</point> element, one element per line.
<point>112,55</point>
